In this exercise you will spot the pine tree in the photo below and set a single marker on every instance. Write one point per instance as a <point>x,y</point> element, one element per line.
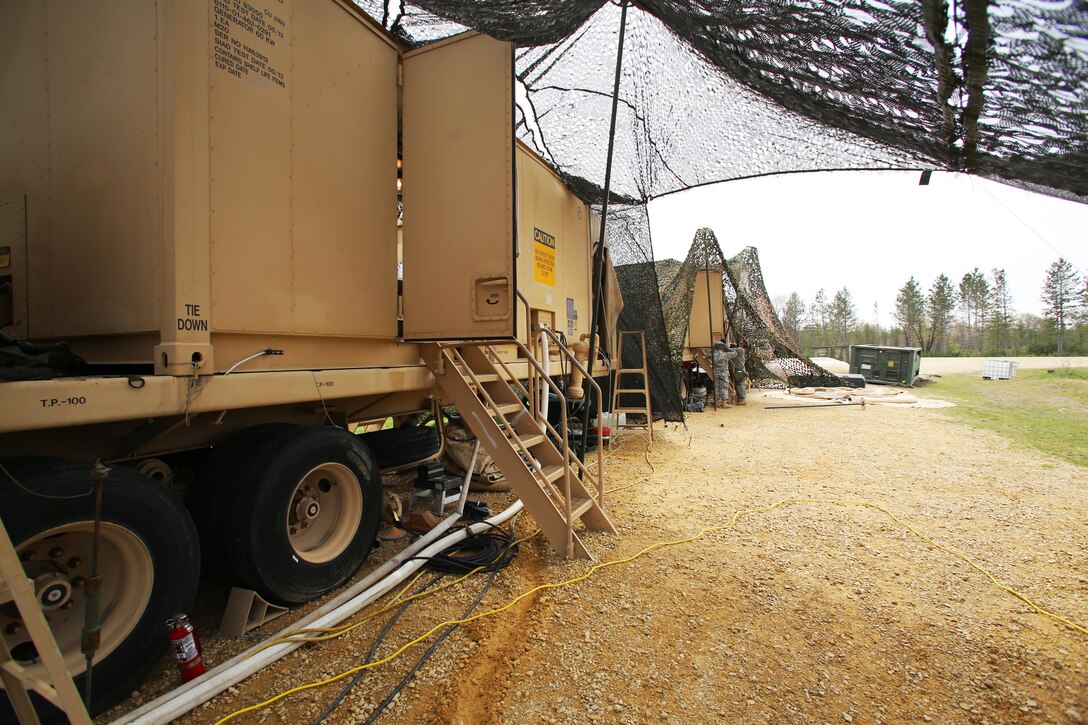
<point>1062,298</point>
<point>939,305</point>
<point>842,316</point>
<point>1001,312</point>
<point>965,300</point>
<point>817,317</point>
<point>910,312</point>
<point>981,290</point>
<point>793,313</point>
<point>974,292</point>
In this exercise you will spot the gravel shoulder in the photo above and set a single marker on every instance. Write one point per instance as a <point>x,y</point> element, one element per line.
<point>817,611</point>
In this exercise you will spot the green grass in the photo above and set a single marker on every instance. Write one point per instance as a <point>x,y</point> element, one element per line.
<point>1044,410</point>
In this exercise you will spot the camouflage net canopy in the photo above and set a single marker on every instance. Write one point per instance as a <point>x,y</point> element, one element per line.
<point>715,90</point>
<point>775,360</point>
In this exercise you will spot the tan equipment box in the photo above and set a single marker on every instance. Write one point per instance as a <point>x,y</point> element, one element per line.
<point>706,324</point>
<point>190,182</point>
<point>204,172</point>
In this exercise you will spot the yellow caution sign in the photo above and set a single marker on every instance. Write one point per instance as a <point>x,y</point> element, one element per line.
<point>543,257</point>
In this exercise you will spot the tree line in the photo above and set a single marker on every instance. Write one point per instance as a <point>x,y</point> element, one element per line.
<point>975,316</point>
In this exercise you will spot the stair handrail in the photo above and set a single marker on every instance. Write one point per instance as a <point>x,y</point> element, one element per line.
<point>511,377</point>
<point>531,379</point>
<point>534,365</point>
<point>564,350</point>
<point>528,315</point>
<point>458,359</point>
<point>562,399</point>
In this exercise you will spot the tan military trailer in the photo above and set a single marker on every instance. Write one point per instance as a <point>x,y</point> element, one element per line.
<point>262,223</point>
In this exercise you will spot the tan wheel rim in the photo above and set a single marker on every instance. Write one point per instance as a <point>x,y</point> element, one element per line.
<point>325,512</point>
<point>57,561</point>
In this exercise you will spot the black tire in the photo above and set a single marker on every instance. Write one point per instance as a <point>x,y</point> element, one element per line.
<point>218,485</point>
<point>402,446</point>
<point>267,546</point>
<point>148,548</point>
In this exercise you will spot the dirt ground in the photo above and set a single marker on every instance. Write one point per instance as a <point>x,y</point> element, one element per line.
<point>812,612</point>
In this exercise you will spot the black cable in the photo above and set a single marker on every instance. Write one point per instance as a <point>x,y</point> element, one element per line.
<point>490,551</point>
<point>430,650</point>
<point>373,651</point>
<point>484,552</point>
<point>44,495</point>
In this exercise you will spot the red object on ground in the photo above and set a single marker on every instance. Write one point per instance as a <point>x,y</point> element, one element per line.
<point>187,650</point>
<point>605,433</point>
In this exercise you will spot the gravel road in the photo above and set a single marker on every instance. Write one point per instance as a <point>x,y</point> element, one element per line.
<point>821,611</point>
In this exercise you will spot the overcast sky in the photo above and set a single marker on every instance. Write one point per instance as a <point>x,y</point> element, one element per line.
<point>869,231</point>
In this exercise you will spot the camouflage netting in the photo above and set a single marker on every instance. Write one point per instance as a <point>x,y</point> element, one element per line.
<point>628,231</point>
<point>775,358</point>
<point>715,91</point>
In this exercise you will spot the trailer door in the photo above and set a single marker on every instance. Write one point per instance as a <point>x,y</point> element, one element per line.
<point>458,190</point>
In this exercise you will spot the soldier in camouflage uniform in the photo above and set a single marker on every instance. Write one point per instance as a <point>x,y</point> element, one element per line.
<point>740,371</point>
<point>720,358</point>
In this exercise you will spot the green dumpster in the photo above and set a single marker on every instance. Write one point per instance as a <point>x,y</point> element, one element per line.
<point>887,365</point>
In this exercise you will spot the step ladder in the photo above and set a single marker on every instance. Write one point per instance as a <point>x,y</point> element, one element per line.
<point>57,687</point>
<point>644,391</point>
<point>540,467</point>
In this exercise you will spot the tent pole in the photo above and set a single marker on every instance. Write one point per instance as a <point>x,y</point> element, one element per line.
<point>599,281</point>
<point>710,320</point>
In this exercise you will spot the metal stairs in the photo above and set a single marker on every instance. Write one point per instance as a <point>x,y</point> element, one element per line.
<point>644,391</point>
<point>556,488</point>
<point>55,683</point>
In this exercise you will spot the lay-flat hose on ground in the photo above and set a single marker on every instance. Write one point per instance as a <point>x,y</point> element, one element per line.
<point>178,702</point>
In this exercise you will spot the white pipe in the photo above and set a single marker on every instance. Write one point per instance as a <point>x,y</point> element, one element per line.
<point>467,479</point>
<point>545,391</point>
<point>180,701</point>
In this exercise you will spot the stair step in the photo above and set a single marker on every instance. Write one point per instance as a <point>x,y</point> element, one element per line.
<point>630,370</point>
<point>579,506</point>
<point>530,440</point>
<point>630,410</point>
<point>553,473</point>
<point>640,391</point>
<point>533,461</point>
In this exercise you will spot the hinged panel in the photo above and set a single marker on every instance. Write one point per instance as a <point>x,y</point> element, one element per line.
<point>706,316</point>
<point>458,191</point>
<point>13,276</point>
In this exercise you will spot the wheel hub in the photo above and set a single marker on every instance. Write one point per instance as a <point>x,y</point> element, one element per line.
<point>307,509</point>
<point>53,591</point>
<point>54,562</point>
<point>325,511</point>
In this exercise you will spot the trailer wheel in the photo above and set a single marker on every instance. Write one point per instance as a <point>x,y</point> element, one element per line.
<point>149,558</point>
<point>218,484</point>
<point>307,515</point>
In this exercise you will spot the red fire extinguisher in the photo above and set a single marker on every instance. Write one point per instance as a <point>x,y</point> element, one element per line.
<point>186,644</point>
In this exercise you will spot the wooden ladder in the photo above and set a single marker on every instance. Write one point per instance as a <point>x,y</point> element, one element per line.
<point>556,488</point>
<point>644,391</point>
<point>58,687</point>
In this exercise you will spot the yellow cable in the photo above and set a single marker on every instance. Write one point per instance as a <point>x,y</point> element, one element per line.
<point>328,633</point>
<point>868,504</point>
<point>742,513</point>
